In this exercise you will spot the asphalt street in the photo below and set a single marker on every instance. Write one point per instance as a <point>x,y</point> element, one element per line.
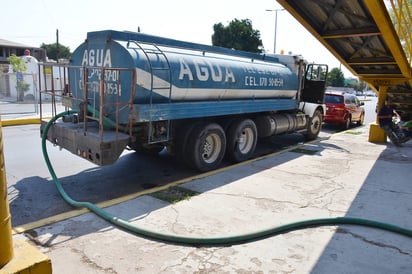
<point>340,176</point>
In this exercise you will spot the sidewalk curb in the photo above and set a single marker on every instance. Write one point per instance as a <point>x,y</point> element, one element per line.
<point>27,259</point>
<point>25,121</point>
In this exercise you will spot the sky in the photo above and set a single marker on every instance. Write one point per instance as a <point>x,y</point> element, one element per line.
<point>35,22</point>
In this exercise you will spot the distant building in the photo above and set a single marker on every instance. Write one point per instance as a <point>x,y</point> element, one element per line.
<point>30,55</point>
<point>11,90</point>
<point>351,82</point>
<point>341,89</point>
<point>7,48</point>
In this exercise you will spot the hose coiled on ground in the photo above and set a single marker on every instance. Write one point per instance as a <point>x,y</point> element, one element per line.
<point>217,240</point>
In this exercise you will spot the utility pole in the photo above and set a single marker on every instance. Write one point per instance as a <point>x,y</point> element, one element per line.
<point>57,45</point>
<point>276,26</point>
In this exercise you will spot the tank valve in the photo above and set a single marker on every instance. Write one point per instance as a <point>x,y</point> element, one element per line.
<point>70,118</point>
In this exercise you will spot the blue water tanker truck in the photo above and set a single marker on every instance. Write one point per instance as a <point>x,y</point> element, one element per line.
<point>127,90</point>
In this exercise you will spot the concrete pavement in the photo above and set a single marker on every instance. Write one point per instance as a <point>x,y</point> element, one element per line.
<point>29,113</point>
<point>341,176</point>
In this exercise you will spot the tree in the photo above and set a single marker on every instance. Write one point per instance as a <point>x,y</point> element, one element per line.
<point>17,63</point>
<point>19,67</point>
<point>335,78</point>
<point>239,35</point>
<point>56,52</point>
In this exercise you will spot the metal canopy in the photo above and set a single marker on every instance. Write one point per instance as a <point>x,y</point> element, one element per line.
<point>359,33</point>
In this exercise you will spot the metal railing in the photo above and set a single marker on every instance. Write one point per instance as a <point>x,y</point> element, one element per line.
<point>18,93</point>
<point>86,89</point>
<point>401,17</point>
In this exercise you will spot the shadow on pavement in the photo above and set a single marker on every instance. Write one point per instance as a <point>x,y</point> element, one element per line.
<point>131,174</point>
<point>385,196</point>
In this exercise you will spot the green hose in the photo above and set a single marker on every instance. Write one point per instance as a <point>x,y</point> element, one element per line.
<point>107,123</point>
<point>218,240</point>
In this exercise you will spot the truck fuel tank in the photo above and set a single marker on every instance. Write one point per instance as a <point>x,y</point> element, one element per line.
<point>275,124</point>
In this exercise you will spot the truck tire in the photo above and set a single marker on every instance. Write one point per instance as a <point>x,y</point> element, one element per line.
<point>206,147</point>
<point>314,126</point>
<point>241,140</point>
<point>180,141</point>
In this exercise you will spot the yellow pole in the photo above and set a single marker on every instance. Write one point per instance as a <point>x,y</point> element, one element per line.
<point>376,134</point>
<point>381,99</point>
<point>6,243</point>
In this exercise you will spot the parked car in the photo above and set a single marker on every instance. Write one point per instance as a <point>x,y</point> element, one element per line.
<point>343,109</point>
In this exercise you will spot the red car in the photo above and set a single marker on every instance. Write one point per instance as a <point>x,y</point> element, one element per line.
<point>343,109</point>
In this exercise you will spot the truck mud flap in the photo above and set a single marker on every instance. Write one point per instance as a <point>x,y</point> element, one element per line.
<point>100,150</point>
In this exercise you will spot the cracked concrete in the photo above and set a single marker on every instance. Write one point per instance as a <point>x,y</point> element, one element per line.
<point>347,176</point>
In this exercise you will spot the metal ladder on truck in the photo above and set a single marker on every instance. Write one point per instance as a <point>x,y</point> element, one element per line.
<point>158,62</point>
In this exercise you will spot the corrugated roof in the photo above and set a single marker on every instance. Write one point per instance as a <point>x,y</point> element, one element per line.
<point>349,30</point>
<point>7,43</point>
<point>360,33</point>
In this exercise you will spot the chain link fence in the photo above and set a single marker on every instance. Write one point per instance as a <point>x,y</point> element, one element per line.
<point>19,92</point>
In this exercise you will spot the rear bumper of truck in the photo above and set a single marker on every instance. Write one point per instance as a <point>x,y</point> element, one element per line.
<point>100,148</point>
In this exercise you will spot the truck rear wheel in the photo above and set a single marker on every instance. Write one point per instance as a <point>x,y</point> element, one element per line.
<point>180,141</point>
<point>241,140</point>
<point>206,147</point>
<point>314,126</point>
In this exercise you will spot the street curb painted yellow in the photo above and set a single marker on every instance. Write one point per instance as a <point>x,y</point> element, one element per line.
<point>27,259</point>
<point>16,122</point>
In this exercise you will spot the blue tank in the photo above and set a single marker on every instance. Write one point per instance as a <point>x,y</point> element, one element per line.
<point>148,69</point>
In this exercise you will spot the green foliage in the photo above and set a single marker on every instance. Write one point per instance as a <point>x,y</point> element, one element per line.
<point>18,67</point>
<point>400,13</point>
<point>56,52</point>
<point>174,194</point>
<point>239,35</point>
<point>335,78</point>
<point>22,86</point>
<point>356,84</point>
<point>17,63</point>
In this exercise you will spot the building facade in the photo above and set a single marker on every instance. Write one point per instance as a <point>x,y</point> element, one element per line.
<point>7,48</point>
